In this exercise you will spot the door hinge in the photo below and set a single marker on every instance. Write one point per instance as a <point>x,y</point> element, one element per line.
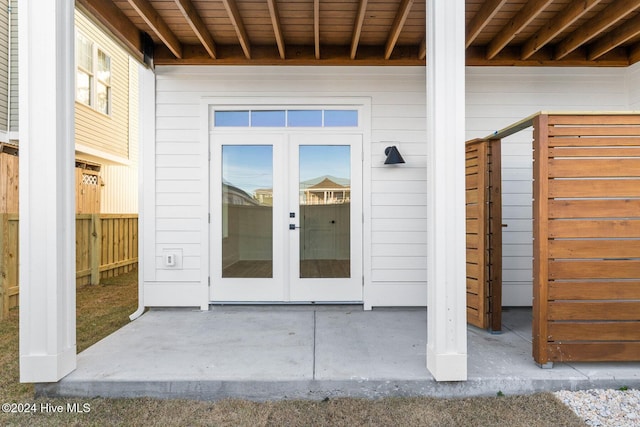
<point>209,281</point>
<point>209,218</point>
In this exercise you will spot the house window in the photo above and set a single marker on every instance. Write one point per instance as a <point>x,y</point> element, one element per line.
<point>93,75</point>
<point>286,118</point>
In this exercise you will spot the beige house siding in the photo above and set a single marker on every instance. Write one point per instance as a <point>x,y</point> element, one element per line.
<point>96,131</point>
<point>4,65</point>
<point>13,119</point>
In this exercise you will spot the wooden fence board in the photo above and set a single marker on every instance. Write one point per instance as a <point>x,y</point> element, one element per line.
<point>593,142</point>
<point>594,331</point>
<point>606,208</point>
<point>9,180</point>
<point>594,311</point>
<point>613,351</point>
<point>594,188</point>
<point>594,269</point>
<point>594,131</point>
<point>594,229</point>
<point>596,119</point>
<point>594,290</point>
<point>595,152</point>
<point>594,248</point>
<point>589,168</point>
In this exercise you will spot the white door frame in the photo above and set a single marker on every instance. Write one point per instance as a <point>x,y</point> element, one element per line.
<point>363,104</point>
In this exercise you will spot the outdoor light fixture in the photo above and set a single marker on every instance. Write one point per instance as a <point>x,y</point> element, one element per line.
<point>393,156</point>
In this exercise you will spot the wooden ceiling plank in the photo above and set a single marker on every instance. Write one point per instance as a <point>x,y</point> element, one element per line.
<point>396,29</point>
<point>527,14</point>
<point>357,28</point>
<point>157,24</point>
<point>238,26</point>
<point>595,26</point>
<point>615,38</point>
<point>634,54</point>
<point>422,50</point>
<point>277,28</point>
<point>486,13</point>
<point>558,24</point>
<point>113,19</point>
<point>316,27</point>
<point>197,25</point>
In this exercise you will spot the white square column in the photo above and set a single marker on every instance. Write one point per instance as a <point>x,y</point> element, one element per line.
<point>446,253</point>
<point>47,198</point>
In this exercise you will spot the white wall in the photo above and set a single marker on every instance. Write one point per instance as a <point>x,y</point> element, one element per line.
<point>633,86</point>
<point>397,203</point>
<point>498,97</point>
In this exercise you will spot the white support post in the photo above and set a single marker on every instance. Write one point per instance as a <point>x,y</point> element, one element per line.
<point>47,198</point>
<point>446,277</point>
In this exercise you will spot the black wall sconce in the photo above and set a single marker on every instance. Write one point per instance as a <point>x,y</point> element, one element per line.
<point>393,156</point>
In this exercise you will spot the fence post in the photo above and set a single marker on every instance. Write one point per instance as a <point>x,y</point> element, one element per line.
<point>95,248</point>
<point>4,231</point>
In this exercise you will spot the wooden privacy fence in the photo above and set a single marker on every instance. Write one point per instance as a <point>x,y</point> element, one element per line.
<point>586,231</point>
<point>484,234</point>
<point>106,246</point>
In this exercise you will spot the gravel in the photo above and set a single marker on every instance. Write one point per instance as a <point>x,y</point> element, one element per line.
<point>619,408</point>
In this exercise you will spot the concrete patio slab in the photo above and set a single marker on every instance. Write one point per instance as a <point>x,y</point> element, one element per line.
<point>313,352</point>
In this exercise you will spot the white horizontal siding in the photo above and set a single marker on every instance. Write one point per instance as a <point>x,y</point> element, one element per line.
<point>499,97</point>
<point>633,86</point>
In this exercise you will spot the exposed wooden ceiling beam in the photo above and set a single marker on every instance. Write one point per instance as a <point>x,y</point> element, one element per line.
<point>634,54</point>
<point>357,28</point>
<point>527,14</point>
<point>157,25</point>
<point>595,26</point>
<point>396,29</point>
<point>277,29</point>
<point>238,25</point>
<point>198,27</point>
<point>510,57</point>
<point>316,27</point>
<point>111,17</point>
<point>615,38</point>
<point>558,24</point>
<point>422,50</point>
<point>486,13</point>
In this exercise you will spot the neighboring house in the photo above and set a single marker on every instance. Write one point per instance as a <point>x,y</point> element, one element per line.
<point>106,138</point>
<point>106,116</point>
<point>226,101</point>
<point>9,71</point>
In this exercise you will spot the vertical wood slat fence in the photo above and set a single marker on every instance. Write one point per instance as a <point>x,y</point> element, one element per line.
<point>484,234</point>
<point>106,246</point>
<point>586,238</point>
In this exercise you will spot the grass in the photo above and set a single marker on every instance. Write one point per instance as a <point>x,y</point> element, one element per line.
<point>105,308</point>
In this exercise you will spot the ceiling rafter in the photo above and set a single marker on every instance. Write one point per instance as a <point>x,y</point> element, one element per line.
<point>634,54</point>
<point>422,49</point>
<point>615,38</point>
<point>199,28</point>
<point>595,26</point>
<point>523,18</point>
<point>157,24</point>
<point>396,29</point>
<point>558,24</point>
<point>238,26</point>
<point>357,28</point>
<point>316,27</point>
<point>277,29</point>
<point>486,13</point>
<point>112,18</point>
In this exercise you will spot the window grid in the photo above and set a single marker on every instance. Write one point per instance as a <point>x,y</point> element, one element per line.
<point>93,75</point>
<point>292,118</point>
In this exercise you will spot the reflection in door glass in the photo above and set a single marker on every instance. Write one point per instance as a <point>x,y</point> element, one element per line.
<point>325,211</point>
<point>247,211</point>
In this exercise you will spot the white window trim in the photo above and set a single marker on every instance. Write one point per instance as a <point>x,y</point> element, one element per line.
<point>95,47</point>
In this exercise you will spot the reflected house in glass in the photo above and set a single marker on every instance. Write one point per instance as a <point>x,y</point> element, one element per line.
<point>326,192</point>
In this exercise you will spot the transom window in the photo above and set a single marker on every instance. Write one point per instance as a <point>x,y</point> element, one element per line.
<point>286,118</point>
<point>93,75</point>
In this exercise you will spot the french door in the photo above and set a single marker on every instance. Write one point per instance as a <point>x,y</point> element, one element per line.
<point>286,217</point>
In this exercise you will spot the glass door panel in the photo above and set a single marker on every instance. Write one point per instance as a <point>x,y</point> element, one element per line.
<point>247,211</point>
<point>325,211</point>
